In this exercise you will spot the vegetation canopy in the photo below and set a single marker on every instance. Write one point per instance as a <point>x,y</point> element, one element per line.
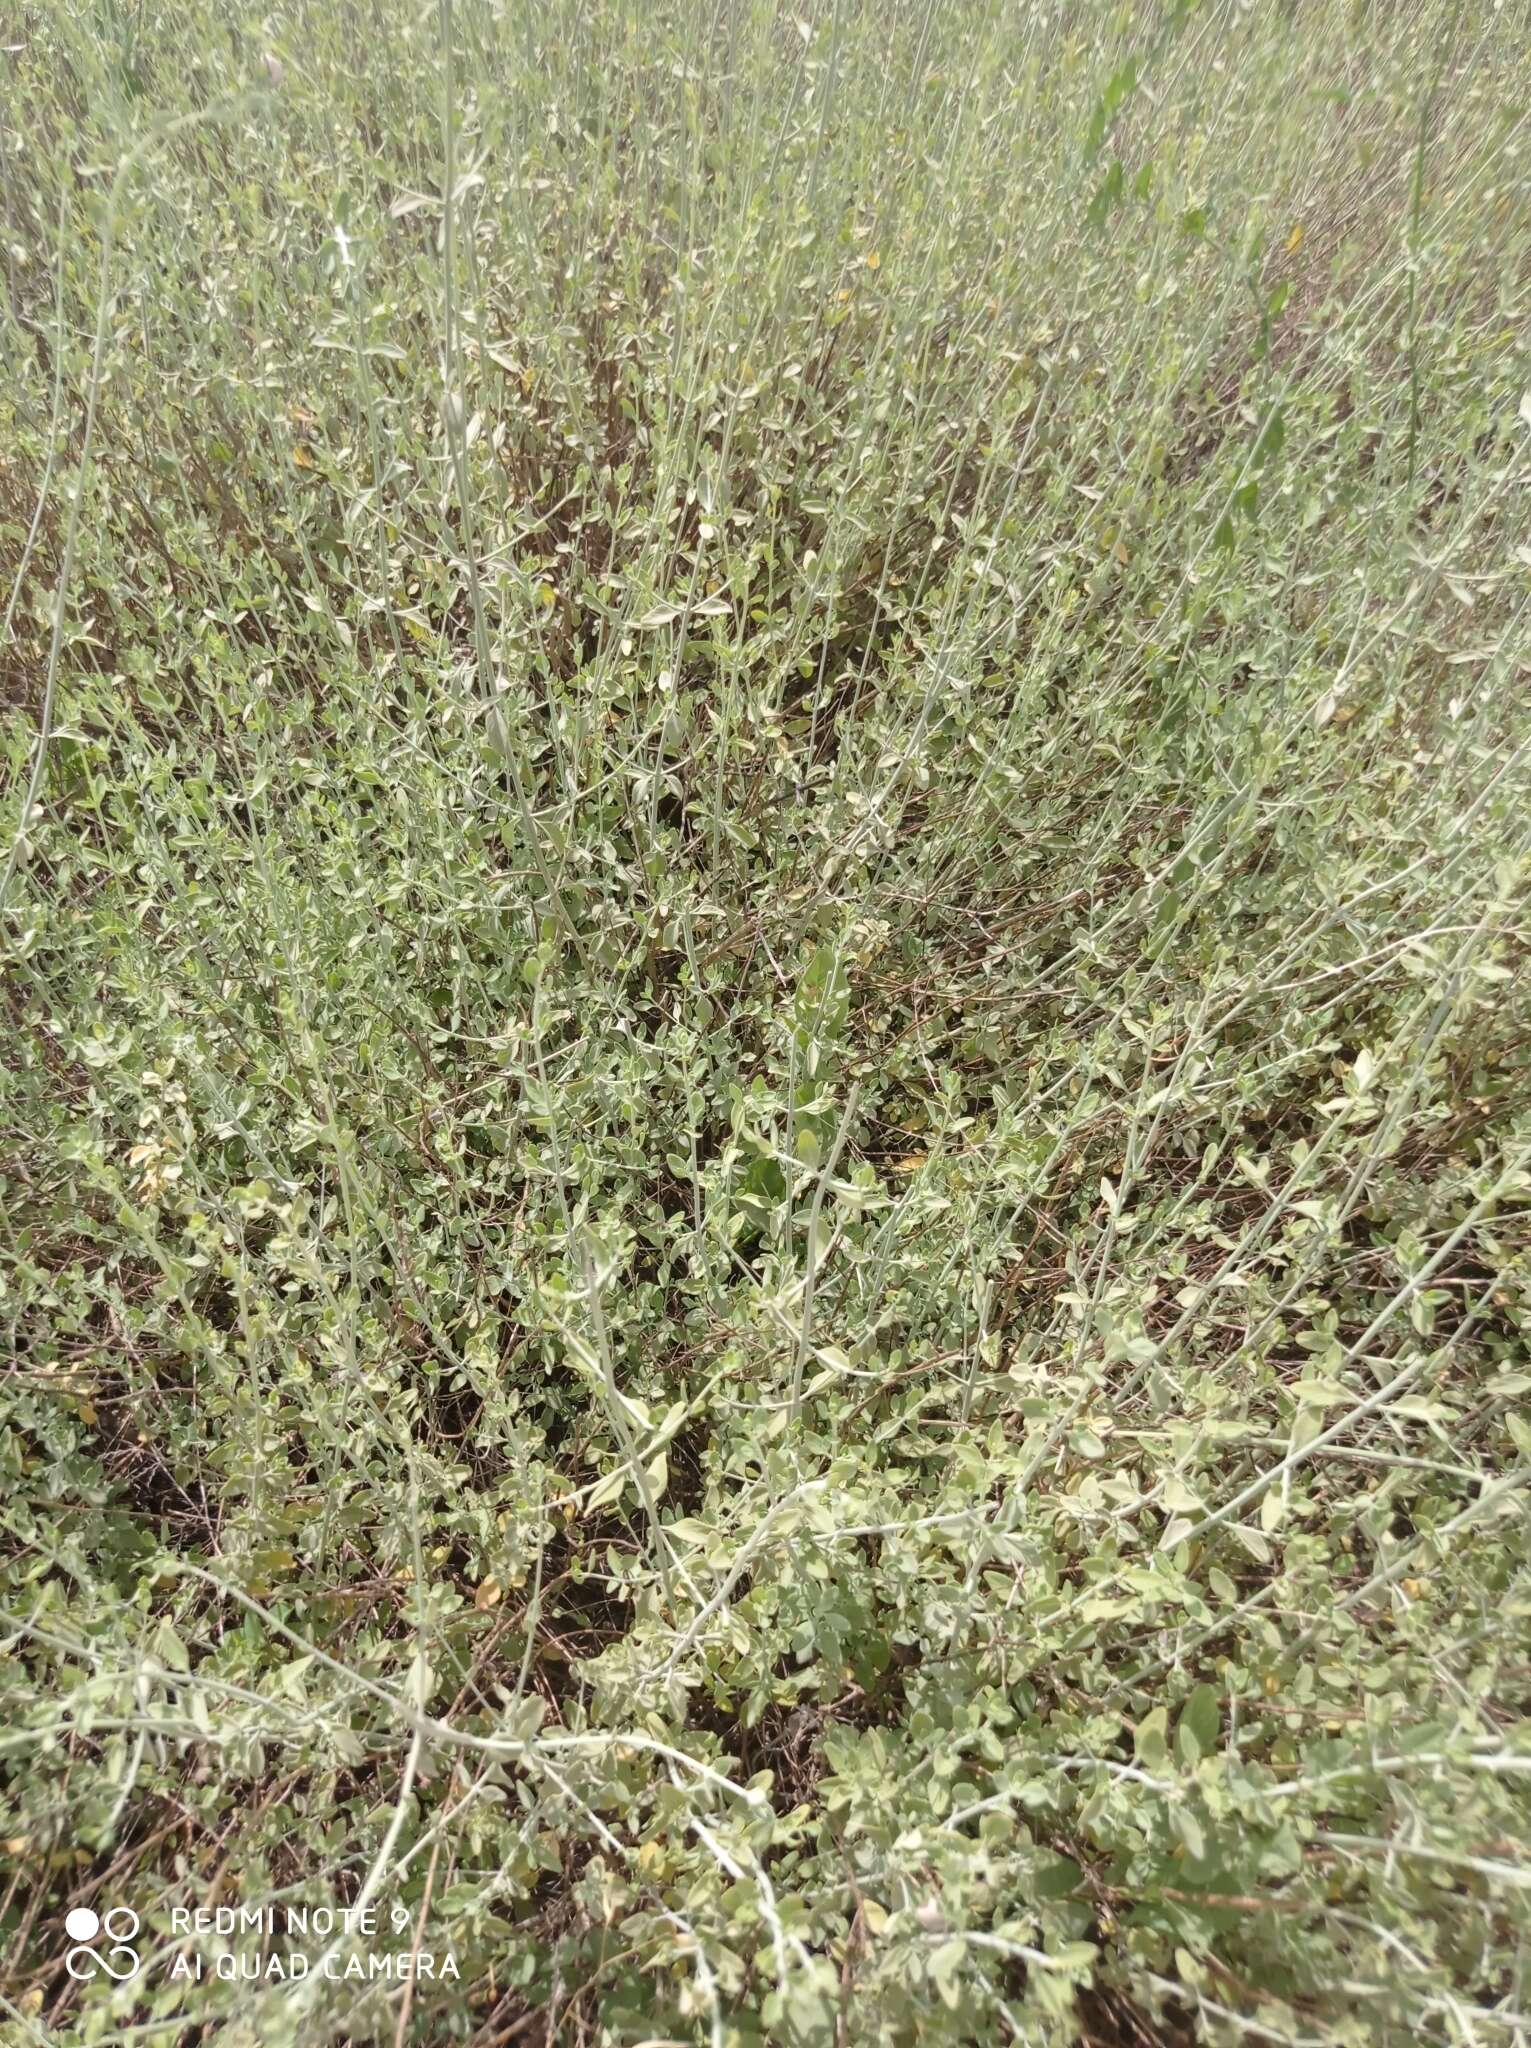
<point>765,1113</point>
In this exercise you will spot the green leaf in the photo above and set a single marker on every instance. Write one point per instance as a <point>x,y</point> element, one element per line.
<point>169,1648</point>
<point>1271,441</point>
<point>1057,1877</point>
<point>1201,1718</point>
<point>1107,194</point>
<point>1150,1742</point>
<point>1118,86</point>
<point>610,1489</point>
<point>1189,1829</point>
<point>946,1966</point>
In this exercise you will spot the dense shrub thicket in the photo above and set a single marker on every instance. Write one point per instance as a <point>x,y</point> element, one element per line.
<point>765,1109</point>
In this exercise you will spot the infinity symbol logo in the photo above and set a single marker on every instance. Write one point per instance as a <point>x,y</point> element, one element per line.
<point>118,1961</point>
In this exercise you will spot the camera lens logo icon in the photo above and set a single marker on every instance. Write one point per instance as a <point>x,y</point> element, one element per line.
<point>116,1960</point>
